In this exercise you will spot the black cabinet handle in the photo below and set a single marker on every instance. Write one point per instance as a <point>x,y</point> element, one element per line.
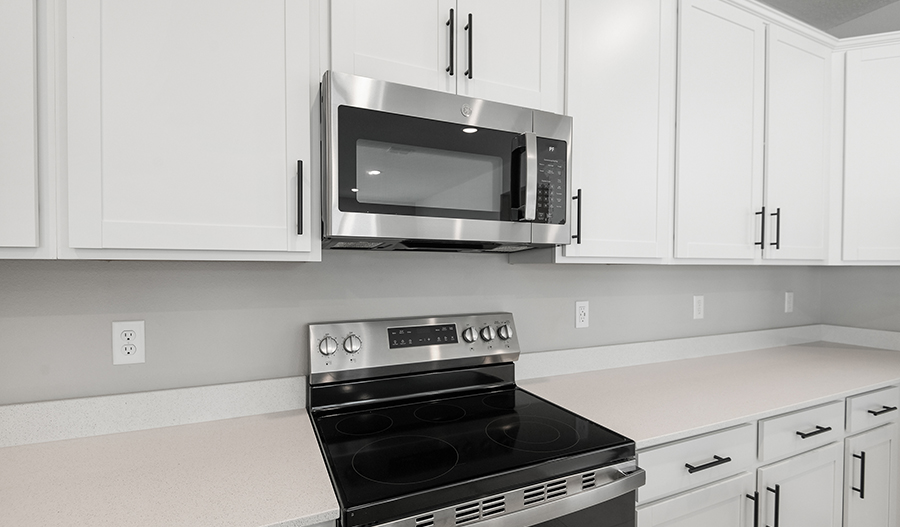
<point>468,28</point>
<point>299,196</point>
<point>755,498</point>
<point>884,410</point>
<point>817,431</point>
<point>777,491</point>
<point>577,236</point>
<point>452,24</point>
<point>777,242</point>
<point>762,228</point>
<point>862,475</point>
<point>718,461</point>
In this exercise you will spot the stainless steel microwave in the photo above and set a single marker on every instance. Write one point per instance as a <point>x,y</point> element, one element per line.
<point>406,168</point>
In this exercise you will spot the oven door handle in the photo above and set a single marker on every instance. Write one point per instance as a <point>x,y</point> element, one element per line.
<point>618,483</point>
<point>531,177</point>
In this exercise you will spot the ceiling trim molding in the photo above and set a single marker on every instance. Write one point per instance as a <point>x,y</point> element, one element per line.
<point>774,16</point>
<point>866,41</point>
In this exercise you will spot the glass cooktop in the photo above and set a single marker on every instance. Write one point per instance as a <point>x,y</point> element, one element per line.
<point>408,458</point>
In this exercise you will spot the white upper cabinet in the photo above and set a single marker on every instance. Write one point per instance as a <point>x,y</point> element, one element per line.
<point>403,41</point>
<point>872,156</point>
<point>510,51</point>
<point>719,170</point>
<point>186,126</point>
<point>18,125</point>
<point>620,94</point>
<point>796,180</point>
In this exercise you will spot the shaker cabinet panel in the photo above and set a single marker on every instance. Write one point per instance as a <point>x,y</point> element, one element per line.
<point>870,487</point>
<point>18,125</point>
<point>723,504</point>
<point>512,51</point>
<point>620,94</point>
<point>798,106</point>
<point>403,41</point>
<point>719,170</point>
<point>186,122</point>
<point>803,490</point>
<point>871,156</point>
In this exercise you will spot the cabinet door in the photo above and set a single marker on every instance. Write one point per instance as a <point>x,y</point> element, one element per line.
<point>871,156</point>
<point>18,128</point>
<point>617,96</point>
<point>403,41</point>
<point>797,147</point>
<point>807,489</point>
<point>723,504</point>
<point>870,501</point>
<point>186,122</point>
<point>517,51</point>
<point>721,59</point>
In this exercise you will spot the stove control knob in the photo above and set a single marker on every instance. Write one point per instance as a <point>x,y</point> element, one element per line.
<point>505,332</point>
<point>352,343</point>
<point>469,335</point>
<point>327,346</point>
<point>488,333</point>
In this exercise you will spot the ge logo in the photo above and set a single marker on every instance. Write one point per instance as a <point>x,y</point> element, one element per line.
<point>553,149</point>
<point>466,110</point>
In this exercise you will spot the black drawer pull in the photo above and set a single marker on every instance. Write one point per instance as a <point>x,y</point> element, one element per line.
<point>755,499</point>
<point>777,492</point>
<point>862,475</point>
<point>884,410</point>
<point>718,461</point>
<point>817,431</point>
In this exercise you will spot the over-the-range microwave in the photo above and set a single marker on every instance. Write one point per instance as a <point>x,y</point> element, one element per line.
<point>407,168</point>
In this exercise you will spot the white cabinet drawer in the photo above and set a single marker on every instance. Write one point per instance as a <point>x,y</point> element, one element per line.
<point>872,409</point>
<point>711,457</point>
<point>796,432</point>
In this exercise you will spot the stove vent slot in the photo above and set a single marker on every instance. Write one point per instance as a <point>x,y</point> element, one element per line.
<point>492,506</point>
<point>480,510</point>
<point>542,493</point>
<point>425,521</point>
<point>467,513</point>
<point>588,481</point>
<point>556,489</point>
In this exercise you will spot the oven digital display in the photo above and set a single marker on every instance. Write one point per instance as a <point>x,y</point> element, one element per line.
<point>422,336</point>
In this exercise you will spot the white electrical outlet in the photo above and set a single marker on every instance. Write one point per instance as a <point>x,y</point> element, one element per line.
<point>128,342</point>
<point>582,318</point>
<point>789,302</point>
<point>698,307</point>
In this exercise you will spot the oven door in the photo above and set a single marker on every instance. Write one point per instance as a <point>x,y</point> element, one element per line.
<point>407,163</point>
<point>617,512</point>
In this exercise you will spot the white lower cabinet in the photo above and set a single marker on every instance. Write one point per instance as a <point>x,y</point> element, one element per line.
<point>870,479</point>
<point>802,491</point>
<point>723,504</point>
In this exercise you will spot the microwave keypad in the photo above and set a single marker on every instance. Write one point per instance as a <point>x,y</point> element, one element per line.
<point>551,188</point>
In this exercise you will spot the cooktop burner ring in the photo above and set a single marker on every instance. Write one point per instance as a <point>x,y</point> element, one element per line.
<point>440,413</point>
<point>364,424</point>
<point>405,460</point>
<point>532,433</point>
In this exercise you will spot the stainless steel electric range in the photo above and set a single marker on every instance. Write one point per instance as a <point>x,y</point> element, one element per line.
<point>422,425</point>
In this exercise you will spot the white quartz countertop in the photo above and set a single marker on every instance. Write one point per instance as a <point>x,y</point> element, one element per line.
<point>661,402</point>
<point>267,470</point>
<point>249,471</point>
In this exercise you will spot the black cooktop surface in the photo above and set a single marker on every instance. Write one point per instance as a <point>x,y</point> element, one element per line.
<point>402,459</point>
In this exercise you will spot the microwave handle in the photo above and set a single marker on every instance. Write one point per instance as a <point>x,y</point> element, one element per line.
<point>531,177</point>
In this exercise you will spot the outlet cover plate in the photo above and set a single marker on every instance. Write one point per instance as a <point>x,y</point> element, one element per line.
<point>128,342</point>
<point>582,315</point>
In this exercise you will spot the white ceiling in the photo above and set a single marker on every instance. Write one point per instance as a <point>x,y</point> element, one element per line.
<point>844,18</point>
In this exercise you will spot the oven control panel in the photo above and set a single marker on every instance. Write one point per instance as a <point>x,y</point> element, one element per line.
<point>370,348</point>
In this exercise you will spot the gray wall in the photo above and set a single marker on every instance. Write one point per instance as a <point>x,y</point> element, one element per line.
<point>217,322</point>
<point>863,297</point>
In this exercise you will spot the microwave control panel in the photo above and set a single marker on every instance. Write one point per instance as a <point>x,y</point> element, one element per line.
<point>552,193</point>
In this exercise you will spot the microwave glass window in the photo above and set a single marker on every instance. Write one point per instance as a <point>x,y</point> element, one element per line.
<point>399,164</point>
<point>420,177</point>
